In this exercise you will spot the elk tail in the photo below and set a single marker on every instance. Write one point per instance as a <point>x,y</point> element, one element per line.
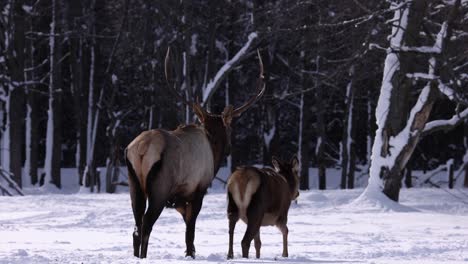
<point>242,185</point>
<point>144,155</point>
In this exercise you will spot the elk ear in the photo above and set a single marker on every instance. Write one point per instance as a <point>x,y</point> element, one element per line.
<point>276,164</point>
<point>295,163</point>
<point>200,112</point>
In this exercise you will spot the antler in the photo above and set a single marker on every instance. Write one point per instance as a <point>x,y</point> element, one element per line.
<point>172,87</point>
<point>260,87</point>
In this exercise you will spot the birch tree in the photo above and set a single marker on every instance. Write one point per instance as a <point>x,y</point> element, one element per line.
<point>52,163</point>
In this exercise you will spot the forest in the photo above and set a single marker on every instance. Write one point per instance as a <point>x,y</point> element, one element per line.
<point>375,89</point>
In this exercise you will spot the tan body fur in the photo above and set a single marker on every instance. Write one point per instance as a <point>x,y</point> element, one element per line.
<point>187,171</point>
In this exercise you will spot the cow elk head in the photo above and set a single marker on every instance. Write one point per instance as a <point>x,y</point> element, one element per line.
<point>290,170</point>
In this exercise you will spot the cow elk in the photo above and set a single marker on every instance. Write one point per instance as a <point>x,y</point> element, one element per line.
<point>175,168</point>
<point>261,197</point>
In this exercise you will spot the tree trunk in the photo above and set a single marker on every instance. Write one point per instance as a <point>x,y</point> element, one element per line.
<point>408,176</point>
<point>113,164</point>
<point>399,130</point>
<point>17,96</point>
<point>347,137</point>
<point>32,115</point>
<point>465,183</point>
<point>321,130</point>
<point>450,175</point>
<point>465,158</point>
<point>89,173</point>
<point>77,70</point>
<point>352,167</point>
<point>32,125</point>
<point>54,127</point>
<point>304,157</point>
<point>305,115</point>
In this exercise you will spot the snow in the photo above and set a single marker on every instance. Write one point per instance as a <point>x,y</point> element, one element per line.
<point>193,46</point>
<point>114,79</point>
<point>28,9</point>
<point>268,136</point>
<point>430,226</point>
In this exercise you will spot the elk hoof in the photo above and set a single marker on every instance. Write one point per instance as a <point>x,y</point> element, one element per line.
<point>190,254</point>
<point>230,256</point>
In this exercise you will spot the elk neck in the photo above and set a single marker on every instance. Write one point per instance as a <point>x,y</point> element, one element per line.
<point>217,136</point>
<point>293,183</point>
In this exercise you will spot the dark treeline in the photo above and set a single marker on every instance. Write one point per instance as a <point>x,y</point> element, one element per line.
<point>80,79</point>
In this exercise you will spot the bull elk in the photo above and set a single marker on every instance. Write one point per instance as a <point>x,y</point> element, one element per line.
<point>261,197</point>
<point>175,168</point>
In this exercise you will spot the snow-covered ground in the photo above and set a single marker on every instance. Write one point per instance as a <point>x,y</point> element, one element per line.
<point>325,227</point>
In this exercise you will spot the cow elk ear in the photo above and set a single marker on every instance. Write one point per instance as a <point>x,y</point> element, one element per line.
<point>276,164</point>
<point>295,163</point>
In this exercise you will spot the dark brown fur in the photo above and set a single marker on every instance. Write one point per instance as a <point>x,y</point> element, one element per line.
<point>269,194</point>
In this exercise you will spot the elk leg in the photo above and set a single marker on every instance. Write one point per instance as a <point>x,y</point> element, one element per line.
<point>258,244</point>
<point>191,213</point>
<point>254,220</point>
<point>284,230</point>
<point>138,205</point>
<point>233,217</point>
<point>156,201</point>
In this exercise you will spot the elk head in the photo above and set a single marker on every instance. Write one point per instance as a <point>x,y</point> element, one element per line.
<point>218,126</point>
<point>290,171</point>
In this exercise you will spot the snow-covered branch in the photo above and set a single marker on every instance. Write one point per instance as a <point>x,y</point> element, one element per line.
<point>444,125</point>
<point>447,91</point>
<point>435,49</point>
<point>211,87</point>
<point>422,76</point>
